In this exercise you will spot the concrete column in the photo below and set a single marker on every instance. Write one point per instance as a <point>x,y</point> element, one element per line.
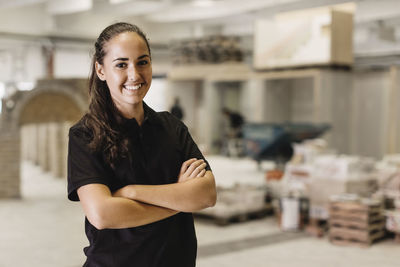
<point>24,133</point>
<point>35,143</point>
<point>10,165</point>
<point>53,148</point>
<point>252,104</point>
<point>210,122</point>
<point>28,139</point>
<point>43,147</point>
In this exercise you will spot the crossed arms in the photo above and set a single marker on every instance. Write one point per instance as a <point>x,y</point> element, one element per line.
<point>135,205</point>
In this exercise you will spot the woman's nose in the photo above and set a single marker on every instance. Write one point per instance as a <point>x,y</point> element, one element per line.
<point>133,73</point>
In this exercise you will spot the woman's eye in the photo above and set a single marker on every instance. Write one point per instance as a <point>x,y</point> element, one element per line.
<point>121,65</point>
<point>143,62</point>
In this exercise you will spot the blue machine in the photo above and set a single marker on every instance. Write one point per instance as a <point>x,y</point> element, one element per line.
<point>271,141</point>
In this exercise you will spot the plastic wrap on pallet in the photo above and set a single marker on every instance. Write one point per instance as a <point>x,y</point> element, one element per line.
<point>240,199</point>
<point>342,167</point>
<point>393,221</point>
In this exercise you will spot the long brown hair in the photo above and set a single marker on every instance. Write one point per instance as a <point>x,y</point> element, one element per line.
<point>103,118</point>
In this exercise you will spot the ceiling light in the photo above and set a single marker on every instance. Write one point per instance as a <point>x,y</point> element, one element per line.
<point>59,7</point>
<point>118,1</point>
<point>203,3</point>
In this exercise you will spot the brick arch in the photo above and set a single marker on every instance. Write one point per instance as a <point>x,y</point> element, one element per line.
<point>52,102</point>
<point>49,107</point>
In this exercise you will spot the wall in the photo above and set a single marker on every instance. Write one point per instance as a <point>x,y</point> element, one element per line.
<point>376,110</point>
<point>369,111</point>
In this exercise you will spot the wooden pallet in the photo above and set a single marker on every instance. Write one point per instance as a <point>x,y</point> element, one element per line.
<point>236,217</point>
<point>354,211</point>
<point>354,223</point>
<point>374,223</point>
<point>355,239</point>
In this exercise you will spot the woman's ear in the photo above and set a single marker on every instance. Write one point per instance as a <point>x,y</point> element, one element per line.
<point>100,71</point>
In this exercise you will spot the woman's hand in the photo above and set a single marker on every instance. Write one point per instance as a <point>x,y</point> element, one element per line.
<point>192,168</point>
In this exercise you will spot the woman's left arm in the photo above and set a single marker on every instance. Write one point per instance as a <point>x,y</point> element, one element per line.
<point>191,195</point>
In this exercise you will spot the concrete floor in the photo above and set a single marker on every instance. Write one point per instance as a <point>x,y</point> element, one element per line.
<point>44,229</point>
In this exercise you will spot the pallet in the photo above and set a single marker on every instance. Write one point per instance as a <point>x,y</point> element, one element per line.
<point>237,217</point>
<point>376,222</point>
<point>354,211</point>
<point>354,240</point>
<point>354,223</point>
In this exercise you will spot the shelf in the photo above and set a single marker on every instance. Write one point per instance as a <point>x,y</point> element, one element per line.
<point>211,72</point>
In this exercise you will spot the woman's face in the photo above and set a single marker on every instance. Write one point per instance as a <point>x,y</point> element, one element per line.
<point>126,69</point>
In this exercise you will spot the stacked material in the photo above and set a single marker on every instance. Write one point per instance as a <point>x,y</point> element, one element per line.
<point>356,221</point>
<point>320,190</point>
<point>389,177</point>
<point>389,183</point>
<point>239,203</point>
<point>327,175</point>
<point>241,189</point>
<point>393,221</point>
<point>334,174</point>
<point>212,49</point>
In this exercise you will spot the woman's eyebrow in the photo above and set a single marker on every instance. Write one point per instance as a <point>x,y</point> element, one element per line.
<point>143,56</point>
<point>125,58</point>
<point>121,58</point>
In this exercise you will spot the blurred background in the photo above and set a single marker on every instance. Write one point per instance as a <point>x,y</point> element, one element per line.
<point>294,103</point>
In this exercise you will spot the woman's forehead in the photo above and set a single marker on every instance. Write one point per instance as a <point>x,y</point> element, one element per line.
<point>126,43</point>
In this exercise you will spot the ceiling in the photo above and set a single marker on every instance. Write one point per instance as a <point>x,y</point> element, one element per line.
<point>377,23</point>
<point>62,16</point>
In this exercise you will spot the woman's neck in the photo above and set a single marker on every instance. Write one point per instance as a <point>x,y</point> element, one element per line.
<point>133,112</point>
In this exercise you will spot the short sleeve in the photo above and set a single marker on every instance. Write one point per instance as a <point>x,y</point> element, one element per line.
<point>188,147</point>
<point>84,167</point>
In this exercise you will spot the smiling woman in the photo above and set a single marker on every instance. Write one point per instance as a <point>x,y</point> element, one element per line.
<point>127,70</point>
<point>137,173</point>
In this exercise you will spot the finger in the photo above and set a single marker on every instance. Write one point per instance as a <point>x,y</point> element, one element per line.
<point>186,164</point>
<point>197,171</point>
<point>194,165</point>
<point>202,173</point>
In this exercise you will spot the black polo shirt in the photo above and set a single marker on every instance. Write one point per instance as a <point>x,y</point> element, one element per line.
<point>158,149</point>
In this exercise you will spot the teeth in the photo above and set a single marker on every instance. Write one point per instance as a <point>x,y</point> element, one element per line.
<point>132,87</point>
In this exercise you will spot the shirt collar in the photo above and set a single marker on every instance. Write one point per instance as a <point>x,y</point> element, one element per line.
<point>150,115</point>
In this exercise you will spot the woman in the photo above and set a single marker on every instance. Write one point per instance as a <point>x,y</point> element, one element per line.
<point>137,173</point>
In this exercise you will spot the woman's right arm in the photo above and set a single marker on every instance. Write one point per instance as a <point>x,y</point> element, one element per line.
<point>105,211</point>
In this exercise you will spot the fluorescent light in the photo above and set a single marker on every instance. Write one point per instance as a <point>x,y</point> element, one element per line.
<point>203,3</point>
<point>60,7</point>
<point>118,1</point>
